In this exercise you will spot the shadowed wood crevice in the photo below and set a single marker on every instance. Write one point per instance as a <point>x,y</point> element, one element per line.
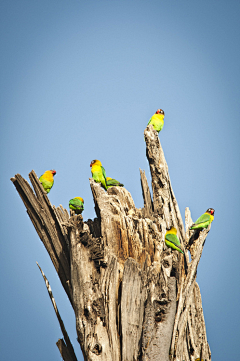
<point>63,350</point>
<point>134,299</point>
<point>148,204</point>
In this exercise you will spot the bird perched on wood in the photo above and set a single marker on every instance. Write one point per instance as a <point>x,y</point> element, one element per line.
<point>113,183</point>
<point>171,239</point>
<point>157,120</point>
<point>204,220</point>
<point>98,173</point>
<point>76,204</point>
<point>47,179</point>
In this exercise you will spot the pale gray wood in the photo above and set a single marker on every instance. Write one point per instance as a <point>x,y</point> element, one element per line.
<point>164,200</point>
<point>133,298</point>
<point>187,303</point>
<point>93,300</point>
<point>47,226</point>
<point>158,320</point>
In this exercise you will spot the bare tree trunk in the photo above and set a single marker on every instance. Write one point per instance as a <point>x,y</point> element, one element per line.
<point>133,298</point>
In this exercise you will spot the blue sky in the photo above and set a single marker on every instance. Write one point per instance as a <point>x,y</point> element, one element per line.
<point>79,81</point>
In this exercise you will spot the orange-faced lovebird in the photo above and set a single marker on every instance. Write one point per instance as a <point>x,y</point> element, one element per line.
<point>98,173</point>
<point>204,220</point>
<point>47,179</point>
<point>157,120</point>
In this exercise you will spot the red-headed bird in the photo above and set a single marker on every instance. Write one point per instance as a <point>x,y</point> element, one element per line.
<point>47,179</point>
<point>157,120</point>
<point>204,220</point>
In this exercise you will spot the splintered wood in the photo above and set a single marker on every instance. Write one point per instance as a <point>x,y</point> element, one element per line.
<point>133,298</point>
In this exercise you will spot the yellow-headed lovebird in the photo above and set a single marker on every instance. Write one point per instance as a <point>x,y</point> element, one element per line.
<point>157,120</point>
<point>113,183</point>
<point>204,220</point>
<point>76,204</point>
<point>98,172</point>
<point>171,240</point>
<point>47,179</point>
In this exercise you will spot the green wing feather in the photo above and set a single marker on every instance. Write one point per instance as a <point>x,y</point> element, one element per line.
<point>149,121</point>
<point>104,176</point>
<point>203,218</point>
<point>202,222</point>
<point>173,242</point>
<point>114,182</point>
<point>104,173</point>
<point>99,175</point>
<point>76,205</point>
<point>173,239</point>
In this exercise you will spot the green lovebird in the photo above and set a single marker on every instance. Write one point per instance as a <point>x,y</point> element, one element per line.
<point>47,179</point>
<point>171,239</point>
<point>204,220</point>
<point>157,120</point>
<point>98,173</point>
<point>76,204</point>
<point>113,183</point>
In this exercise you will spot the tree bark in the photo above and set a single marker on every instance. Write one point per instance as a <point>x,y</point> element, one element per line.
<point>133,298</point>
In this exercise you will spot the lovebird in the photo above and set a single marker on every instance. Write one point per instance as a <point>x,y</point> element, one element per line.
<point>157,120</point>
<point>171,240</point>
<point>76,204</point>
<point>98,173</point>
<point>113,183</point>
<point>47,179</point>
<point>204,220</point>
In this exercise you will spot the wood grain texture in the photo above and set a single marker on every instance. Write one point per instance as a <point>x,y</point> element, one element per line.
<point>165,203</point>
<point>133,298</point>
<point>47,225</point>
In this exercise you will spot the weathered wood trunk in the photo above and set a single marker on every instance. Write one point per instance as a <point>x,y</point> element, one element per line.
<point>133,298</point>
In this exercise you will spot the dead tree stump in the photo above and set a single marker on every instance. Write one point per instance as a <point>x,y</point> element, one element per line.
<point>133,298</point>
